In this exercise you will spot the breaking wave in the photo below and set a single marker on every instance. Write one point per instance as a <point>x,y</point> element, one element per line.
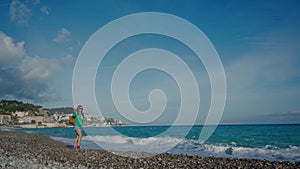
<point>195,147</point>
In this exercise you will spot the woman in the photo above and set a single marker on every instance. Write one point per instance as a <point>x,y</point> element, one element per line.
<point>78,125</point>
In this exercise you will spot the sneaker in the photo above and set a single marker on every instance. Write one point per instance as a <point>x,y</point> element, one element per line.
<point>75,147</point>
<point>78,147</point>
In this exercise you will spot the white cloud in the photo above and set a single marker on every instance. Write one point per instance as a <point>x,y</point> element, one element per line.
<point>67,59</point>
<point>288,113</point>
<point>264,80</point>
<point>274,59</point>
<point>78,43</point>
<point>36,2</point>
<point>292,117</point>
<point>264,68</point>
<point>19,12</point>
<point>31,77</point>
<point>38,68</point>
<point>45,10</point>
<point>63,36</point>
<point>10,50</point>
<point>30,80</point>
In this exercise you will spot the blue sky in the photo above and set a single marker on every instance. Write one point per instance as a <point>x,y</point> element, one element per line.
<point>257,41</point>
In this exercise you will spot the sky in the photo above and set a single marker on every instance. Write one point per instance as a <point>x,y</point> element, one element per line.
<point>258,43</point>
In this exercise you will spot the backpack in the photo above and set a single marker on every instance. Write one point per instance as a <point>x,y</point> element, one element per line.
<point>72,120</point>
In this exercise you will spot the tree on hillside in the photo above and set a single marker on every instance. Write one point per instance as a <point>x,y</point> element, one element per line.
<point>14,105</point>
<point>109,121</point>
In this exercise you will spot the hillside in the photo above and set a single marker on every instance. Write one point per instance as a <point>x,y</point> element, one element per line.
<point>64,110</point>
<point>9,106</point>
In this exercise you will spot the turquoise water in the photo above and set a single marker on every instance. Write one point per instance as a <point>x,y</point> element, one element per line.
<point>271,142</point>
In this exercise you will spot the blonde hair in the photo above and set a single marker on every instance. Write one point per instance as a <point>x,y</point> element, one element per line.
<point>80,107</point>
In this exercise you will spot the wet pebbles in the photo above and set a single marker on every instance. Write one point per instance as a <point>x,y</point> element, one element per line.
<point>22,150</point>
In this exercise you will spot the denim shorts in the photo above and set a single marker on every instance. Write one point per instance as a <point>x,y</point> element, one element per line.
<point>78,128</point>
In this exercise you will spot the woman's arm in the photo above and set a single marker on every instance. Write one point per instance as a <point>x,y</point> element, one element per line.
<point>74,114</point>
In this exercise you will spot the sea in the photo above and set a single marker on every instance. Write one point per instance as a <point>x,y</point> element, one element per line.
<point>278,142</point>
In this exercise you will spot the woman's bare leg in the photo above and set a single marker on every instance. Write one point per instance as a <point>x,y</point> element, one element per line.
<point>77,138</point>
<point>79,135</point>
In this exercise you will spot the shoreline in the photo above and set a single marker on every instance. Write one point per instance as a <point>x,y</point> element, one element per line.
<point>51,125</point>
<point>26,150</point>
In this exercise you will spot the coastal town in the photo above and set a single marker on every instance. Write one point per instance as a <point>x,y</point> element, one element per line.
<point>15,113</point>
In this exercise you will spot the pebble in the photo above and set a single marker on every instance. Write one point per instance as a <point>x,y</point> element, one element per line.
<point>23,150</point>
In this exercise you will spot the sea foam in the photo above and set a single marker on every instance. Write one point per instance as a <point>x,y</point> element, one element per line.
<point>194,147</point>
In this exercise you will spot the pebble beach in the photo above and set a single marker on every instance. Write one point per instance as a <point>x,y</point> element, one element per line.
<point>25,150</point>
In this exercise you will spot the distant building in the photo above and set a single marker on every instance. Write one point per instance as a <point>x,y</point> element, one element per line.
<point>49,119</point>
<point>5,119</point>
<point>118,122</point>
<point>61,117</point>
<point>20,113</point>
<point>28,119</point>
